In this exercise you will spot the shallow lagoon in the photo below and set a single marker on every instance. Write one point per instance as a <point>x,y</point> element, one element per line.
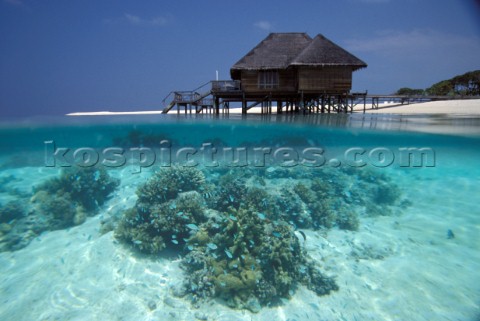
<point>409,183</point>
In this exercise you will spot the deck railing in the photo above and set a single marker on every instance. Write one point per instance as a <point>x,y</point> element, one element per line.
<point>226,85</point>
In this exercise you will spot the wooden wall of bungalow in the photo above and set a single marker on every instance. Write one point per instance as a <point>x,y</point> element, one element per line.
<point>297,79</point>
<point>256,81</point>
<point>336,79</point>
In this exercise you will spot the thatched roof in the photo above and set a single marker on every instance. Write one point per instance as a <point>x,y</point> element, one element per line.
<point>282,50</point>
<point>323,52</point>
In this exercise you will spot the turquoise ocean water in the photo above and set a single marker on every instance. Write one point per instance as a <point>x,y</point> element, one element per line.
<point>319,217</point>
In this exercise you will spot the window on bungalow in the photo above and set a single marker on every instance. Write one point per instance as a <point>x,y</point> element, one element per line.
<point>268,79</point>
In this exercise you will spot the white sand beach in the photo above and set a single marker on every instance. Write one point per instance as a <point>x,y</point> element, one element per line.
<point>464,107</point>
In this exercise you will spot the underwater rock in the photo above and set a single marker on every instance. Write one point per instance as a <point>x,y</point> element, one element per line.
<point>173,303</point>
<point>151,305</point>
<point>253,305</point>
<point>179,290</point>
<point>80,215</point>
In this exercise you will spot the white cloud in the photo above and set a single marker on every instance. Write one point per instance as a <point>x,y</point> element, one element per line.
<point>133,19</point>
<point>137,20</point>
<point>263,25</point>
<point>419,40</point>
<point>415,58</point>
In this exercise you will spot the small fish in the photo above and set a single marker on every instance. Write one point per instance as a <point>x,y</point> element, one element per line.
<point>261,216</point>
<point>232,198</point>
<point>174,236</point>
<point>192,226</point>
<point>137,242</point>
<point>173,206</point>
<point>235,266</point>
<point>227,252</point>
<point>252,267</point>
<point>179,213</point>
<point>190,248</point>
<point>276,234</point>
<point>175,241</point>
<point>303,234</point>
<point>450,234</point>
<point>233,218</point>
<point>212,246</point>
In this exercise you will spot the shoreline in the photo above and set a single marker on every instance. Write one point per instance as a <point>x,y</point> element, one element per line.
<point>444,107</point>
<point>449,107</point>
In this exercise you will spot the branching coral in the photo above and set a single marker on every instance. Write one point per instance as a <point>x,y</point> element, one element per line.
<point>89,187</point>
<point>57,203</point>
<point>169,208</point>
<point>78,192</point>
<point>250,261</point>
<point>169,182</point>
<point>237,239</point>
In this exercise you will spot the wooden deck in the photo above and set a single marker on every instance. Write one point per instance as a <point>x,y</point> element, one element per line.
<point>217,97</point>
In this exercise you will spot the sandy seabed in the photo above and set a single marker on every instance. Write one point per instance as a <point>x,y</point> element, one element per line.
<point>400,267</point>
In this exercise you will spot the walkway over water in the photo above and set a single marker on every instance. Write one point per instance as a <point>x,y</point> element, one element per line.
<point>218,95</point>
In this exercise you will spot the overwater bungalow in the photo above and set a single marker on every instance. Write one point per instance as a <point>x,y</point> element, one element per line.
<point>295,72</point>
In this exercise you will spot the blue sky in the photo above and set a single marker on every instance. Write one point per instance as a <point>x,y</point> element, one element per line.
<point>59,56</point>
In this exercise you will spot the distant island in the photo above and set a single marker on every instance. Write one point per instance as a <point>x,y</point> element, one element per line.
<point>467,84</point>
